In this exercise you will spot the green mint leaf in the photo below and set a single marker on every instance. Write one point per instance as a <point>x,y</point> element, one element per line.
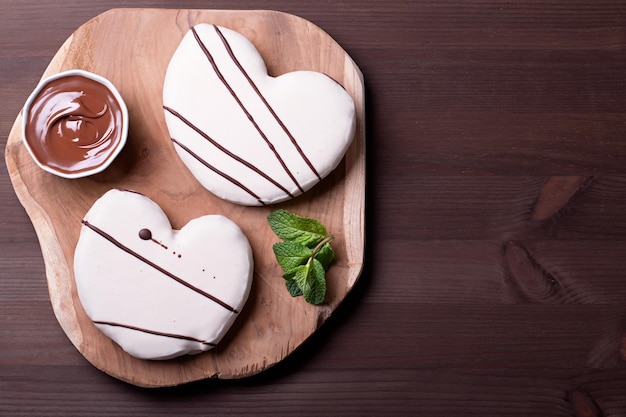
<point>311,279</point>
<point>325,255</point>
<point>291,254</point>
<point>293,288</point>
<point>300,276</point>
<point>304,255</point>
<point>317,277</point>
<point>290,282</point>
<point>288,275</point>
<point>291,227</point>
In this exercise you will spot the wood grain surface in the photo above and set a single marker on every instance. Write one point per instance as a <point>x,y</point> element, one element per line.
<point>272,324</point>
<point>493,282</point>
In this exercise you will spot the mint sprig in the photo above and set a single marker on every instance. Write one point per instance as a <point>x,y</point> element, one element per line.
<point>304,255</point>
<point>291,227</point>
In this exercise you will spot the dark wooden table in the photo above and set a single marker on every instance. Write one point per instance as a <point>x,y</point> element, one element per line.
<point>495,275</point>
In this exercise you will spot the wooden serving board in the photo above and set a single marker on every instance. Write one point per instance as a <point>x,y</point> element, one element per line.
<point>132,48</point>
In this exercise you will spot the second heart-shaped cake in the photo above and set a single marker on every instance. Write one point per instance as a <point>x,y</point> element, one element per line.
<point>157,292</point>
<point>248,137</point>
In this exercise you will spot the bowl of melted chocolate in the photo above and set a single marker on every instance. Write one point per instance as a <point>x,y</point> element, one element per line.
<point>74,124</point>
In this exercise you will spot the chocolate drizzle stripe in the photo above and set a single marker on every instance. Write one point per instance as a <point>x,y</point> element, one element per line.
<point>154,332</point>
<point>269,108</point>
<point>217,171</point>
<point>157,267</point>
<point>128,190</point>
<point>226,151</point>
<point>243,108</point>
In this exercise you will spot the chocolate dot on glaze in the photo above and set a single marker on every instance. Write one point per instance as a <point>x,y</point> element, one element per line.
<point>145,234</point>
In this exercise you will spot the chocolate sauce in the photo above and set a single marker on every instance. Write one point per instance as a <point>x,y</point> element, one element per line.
<point>157,267</point>
<point>145,234</point>
<point>128,191</point>
<point>154,332</point>
<point>74,124</point>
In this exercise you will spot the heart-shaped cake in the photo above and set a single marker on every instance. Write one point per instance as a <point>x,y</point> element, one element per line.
<point>248,137</point>
<point>157,292</point>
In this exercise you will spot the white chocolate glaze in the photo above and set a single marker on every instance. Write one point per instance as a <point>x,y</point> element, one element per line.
<point>157,292</point>
<point>246,136</point>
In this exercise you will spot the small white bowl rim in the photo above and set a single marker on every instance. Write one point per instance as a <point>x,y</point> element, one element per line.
<point>95,77</point>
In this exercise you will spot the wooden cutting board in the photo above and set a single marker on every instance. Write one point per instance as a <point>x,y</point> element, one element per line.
<point>132,48</point>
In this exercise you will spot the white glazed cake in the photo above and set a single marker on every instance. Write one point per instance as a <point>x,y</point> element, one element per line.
<point>248,137</point>
<point>157,292</point>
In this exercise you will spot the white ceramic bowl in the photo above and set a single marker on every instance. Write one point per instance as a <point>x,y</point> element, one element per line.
<point>112,152</point>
